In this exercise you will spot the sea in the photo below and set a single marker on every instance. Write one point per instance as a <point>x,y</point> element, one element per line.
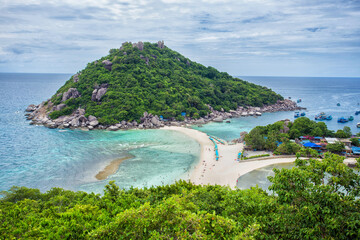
<point>38,157</point>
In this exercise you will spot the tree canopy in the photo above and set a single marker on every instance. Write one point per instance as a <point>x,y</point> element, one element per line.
<point>314,200</point>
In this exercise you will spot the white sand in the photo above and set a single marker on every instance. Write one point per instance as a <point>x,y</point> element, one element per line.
<point>226,170</point>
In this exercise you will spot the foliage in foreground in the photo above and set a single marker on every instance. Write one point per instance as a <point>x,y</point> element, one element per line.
<point>159,81</point>
<point>314,200</point>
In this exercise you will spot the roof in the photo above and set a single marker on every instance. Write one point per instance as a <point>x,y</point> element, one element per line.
<point>356,150</point>
<point>311,145</point>
<point>331,140</point>
<point>317,137</point>
<point>345,140</point>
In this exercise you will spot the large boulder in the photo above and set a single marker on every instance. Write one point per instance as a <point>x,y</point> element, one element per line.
<point>218,119</point>
<point>31,108</point>
<point>200,121</point>
<point>107,64</point>
<point>161,44</point>
<point>71,93</point>
<point>91,118</point>
<point>97,94</point>
<point>139,45</point>
<point>155,121</point>
<point>113,128</point>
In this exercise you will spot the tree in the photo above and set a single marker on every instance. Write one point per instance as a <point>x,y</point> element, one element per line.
<point>355,141</point>
<point>340,134</point>
<point>336,147</point>
<point>347,131</point>
<point>255,139</point>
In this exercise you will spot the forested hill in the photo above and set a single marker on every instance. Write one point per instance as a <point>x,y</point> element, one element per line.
<point>150,77</point>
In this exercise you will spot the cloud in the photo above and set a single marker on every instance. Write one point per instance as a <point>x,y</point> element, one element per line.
<point>213,32</point>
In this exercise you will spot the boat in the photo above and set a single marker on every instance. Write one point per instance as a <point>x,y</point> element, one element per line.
<point>342,120</point>
<point>338,104</point>
<point>350,118</point>
<point>296,114</point>
<point>302,114</point>
<point>358,125</point>
<point>299,100</point>
<point>323,116</point>
<point>357,112</point>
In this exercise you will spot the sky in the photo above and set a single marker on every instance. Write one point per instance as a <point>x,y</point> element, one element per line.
<point>319,38</point>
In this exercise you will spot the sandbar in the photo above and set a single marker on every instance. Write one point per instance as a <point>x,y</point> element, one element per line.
<point>111,168</point>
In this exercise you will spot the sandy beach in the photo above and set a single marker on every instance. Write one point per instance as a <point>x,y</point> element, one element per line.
<point>226,170</point>
<point>111,168</point>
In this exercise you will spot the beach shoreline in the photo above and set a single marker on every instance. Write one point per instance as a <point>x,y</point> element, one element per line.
<point>227,169</point>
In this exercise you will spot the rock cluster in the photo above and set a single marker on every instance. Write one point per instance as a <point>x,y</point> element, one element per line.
<point>76,77</point>
<point>99,92</point>
<point>161,44</point>
<point>139,45</point>
<point>40,115</point>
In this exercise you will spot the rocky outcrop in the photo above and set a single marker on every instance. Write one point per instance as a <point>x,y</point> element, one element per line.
<point>218,119</point>
<point>76,77</point>
<point>161,44</point>
<point>107,64</point>
<point>99,92</point>
<point>31,108</point>
<point>146,59</point>
<point>139,45</point>
<point>71,93</point>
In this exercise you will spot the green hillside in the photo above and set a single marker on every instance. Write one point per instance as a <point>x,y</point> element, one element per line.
<point>153,78</point>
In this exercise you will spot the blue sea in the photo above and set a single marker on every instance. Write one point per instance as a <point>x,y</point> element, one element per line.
<point>35,156</point>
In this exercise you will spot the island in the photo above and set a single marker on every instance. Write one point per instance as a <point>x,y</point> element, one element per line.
<point>148,85</point>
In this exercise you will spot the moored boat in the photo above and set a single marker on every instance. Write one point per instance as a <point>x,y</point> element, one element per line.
<point>296,114</point>
<point>323,116</point>
<point>342,120</point>
<point>302,114</point>
<point>357,112</point>
<point>338,104</point>
<point>358,124</point>
<point>351,118</point>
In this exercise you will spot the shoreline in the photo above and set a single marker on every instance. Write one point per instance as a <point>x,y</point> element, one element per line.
<point>227,169</point>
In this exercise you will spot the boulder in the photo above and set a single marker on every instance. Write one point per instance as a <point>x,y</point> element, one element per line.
<point>59,107</point>
<point>93,123</point>
<point>71,93</point>
<point>97,94</point>
<point>244,114</point>
<point>141,126</point>
<point>200,121</point>
<point>90,127</point>
<point>76,77</point>
<point>107,64</point>
<point>155,121</point>
<point>161,44</point>
<point>258,113</point>
<point>112,128</point>
<point>75,122</point>
<point>218,119</point>
<point>139,45</point>
<point>31,108</point>
<point>80,111</point>
<point>91,118</point>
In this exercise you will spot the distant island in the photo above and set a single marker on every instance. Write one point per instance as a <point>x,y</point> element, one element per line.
<point>148,85</point>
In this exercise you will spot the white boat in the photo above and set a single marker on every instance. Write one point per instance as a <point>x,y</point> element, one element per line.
<point>358,124</point>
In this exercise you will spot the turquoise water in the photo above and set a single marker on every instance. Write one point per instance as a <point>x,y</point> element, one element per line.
<point>317,94</point>
<point>35,156</point>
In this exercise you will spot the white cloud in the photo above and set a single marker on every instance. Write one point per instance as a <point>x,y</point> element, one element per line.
<point>217,32</point>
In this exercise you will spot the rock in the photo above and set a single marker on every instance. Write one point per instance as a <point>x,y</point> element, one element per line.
<point>139,45</point>
<point>258,114</point>
<point>66,125</point>
<point>75,122</point>
<point>71,93</point>
<point>141,126</point>
<point>112,128</point>
<point>91,118</point>
<point>200,121</point>
<point>90,127</point>
<point>218,119</point>
<point>59,107</point>
<point>244,114</point>
<point>161,44</point>
<point>80,111</point>
<point>97,94</point>
<point>31,108</point>
<point>155,121</point>
<point>187,62</point>
<point>251,113</point>
<point>107,64</point>
<point>76,77</point>
<point>177,124</point>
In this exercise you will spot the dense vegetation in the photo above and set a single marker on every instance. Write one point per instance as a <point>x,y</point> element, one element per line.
<point>276,137</point>
<point>305,206</point>
<point>159,81</point>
